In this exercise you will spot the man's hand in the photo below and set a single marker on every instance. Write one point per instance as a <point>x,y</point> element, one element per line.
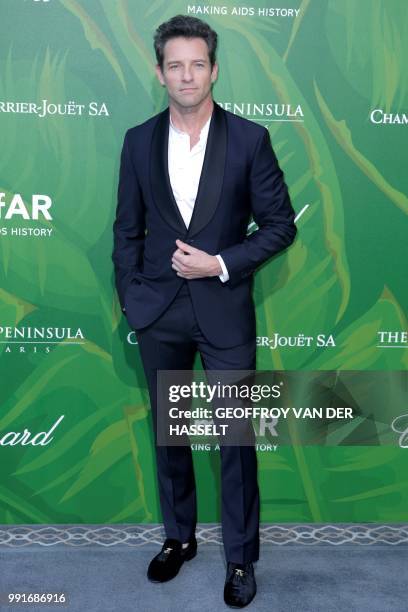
<point>190,262</point>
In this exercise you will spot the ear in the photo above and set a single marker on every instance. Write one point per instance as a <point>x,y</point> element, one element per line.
<point>159,74</point>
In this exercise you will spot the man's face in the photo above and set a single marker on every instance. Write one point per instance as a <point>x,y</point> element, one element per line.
<point>187,72</point>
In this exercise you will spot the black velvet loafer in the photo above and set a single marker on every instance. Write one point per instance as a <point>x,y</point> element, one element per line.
<point>240,585</point>
<point>167,563</point>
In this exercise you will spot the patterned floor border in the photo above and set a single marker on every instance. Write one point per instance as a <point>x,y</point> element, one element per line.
<point>366,534</point>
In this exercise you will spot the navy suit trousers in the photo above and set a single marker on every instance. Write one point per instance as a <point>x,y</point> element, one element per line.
<point>171,343</point>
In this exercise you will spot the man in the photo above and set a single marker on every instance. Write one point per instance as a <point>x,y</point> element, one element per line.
<point>190,179</point>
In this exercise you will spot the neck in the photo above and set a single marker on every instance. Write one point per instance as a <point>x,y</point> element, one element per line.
<point>191,119</point>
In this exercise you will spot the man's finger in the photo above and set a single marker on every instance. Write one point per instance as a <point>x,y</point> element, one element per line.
<point>187,248</point>
<point>177,256</point>
<point>179,251</point>
<point>181,258</point>
<point>179,267</point>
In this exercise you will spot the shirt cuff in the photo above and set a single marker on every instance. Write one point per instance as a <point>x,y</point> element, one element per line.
<point>224,276</point>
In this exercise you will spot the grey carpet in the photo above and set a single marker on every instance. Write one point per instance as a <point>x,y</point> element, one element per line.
<point>314,578</point>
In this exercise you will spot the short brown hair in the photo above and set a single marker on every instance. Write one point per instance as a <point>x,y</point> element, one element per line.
<point>188,27</point>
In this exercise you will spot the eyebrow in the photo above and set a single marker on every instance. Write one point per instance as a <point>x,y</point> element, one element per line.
<point>194,60</point>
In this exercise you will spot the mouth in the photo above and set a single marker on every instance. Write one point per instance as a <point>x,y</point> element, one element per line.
<point>188,89</point>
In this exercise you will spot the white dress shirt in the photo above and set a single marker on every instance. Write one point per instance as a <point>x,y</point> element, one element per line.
<point>184,171</point>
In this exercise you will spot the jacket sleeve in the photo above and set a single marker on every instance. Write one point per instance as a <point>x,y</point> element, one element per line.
<point>271,210</point>
<point>129,225</point>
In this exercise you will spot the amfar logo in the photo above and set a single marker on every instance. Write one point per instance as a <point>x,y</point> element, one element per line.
<point>50,108</point>
<point>379,116</point>
<point>38,339</point>
<point>265,112</point>
<point>15,207</point>
<point>392,339</point>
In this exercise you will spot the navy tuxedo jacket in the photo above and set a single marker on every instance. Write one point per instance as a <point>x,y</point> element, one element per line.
<point>240,178</point>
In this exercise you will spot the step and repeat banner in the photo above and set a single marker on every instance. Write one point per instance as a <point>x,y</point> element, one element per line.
<point>329,80</point>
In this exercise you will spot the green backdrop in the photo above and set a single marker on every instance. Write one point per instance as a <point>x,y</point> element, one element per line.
<point>329,80</point>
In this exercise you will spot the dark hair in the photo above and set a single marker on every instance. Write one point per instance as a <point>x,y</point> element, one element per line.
<point>188,27</point>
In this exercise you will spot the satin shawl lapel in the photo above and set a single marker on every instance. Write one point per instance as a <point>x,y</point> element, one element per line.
<point>159,175</point>
<point>212,174</point>
<point>211,179</point>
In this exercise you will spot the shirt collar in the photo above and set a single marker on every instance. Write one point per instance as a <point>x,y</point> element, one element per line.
<point>204,129</point>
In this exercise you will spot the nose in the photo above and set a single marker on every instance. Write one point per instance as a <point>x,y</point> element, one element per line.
<point>187,76</point>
